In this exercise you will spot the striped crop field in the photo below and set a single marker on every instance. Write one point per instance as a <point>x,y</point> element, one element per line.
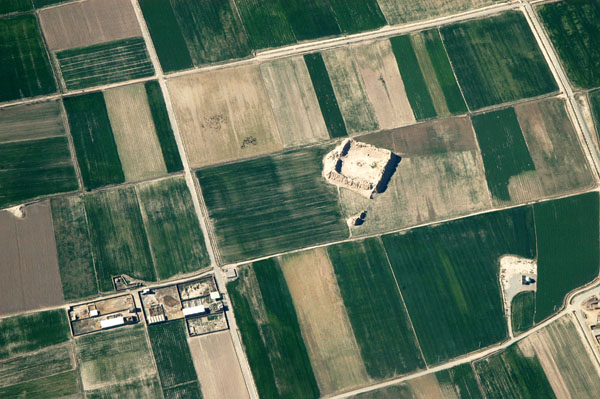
<point>104,63</point>
<point>402,11</point>
<point>266,23</point>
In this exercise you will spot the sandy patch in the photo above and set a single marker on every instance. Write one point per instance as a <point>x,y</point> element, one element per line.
<point>89,22</point>
<point>28,261</point>
<point>224,115</point>
<point>134,132</point>
<point>512,270</point>
<point>383,84</point>
<point>326,329</point>
<point>525,187</point>
<point>354,104</point>
<point>294,101</point>
<point>217,366</point>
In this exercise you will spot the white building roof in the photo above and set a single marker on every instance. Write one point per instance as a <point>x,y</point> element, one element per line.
<point>108,323</point>
<point>193,310</point>
<point>215,295</point>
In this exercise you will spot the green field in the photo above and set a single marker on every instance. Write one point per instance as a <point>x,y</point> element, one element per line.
<point>53,360</point>
<point>110,357</point>
<point>172,354</point>
<point>503,149</point>
<point>271,333</point>
<point>311,19</point>
<point>271,204</point>
<point>212,30</point>
<point>73,247</point>
<point>392,392</point>
<point>375,308</point>
<point>448,275</point>
<point>93,139</point>
<point>461,381</point>
<point>497,60</point>
<point>160,117</point>
<point>31,121</point>
<point>354,16</point>
<point>567,239</point>
<point>45,3</point>
<point>10,6</point>
<point>59,386</point>
<point>325,95</point>
<point>147,388</point>
<point>24,64</point>
<point>32,168</point>
<point>574,28</point>
<point>595,104</point>
<point>414,82</point>
<point>166,35</point>
<point>172,227</point>
<point>118,236</point>
<point>511,374</point>
<point>105,63</point>
<point>185,391</point>
<point>266,23</point>
<point>26,333</point>
<point>523,311</point>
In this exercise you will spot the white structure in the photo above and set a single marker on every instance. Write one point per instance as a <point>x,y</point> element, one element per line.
<point>94,313</point>
<point>193,310</point>
<point>215,296</point>
<point>114,322</point>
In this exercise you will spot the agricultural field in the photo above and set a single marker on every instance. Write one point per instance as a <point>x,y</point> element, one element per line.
<point>594,98</point>
<point>13,6</point>
<point>172,353</point>
<point>271,204</point>
<point>442,287</point>
<point>354,16</point>
<point>145,388</point>
<point>440,175</point>
<point>24,63</point>
<point>235,121</point>
<point>266,23</point>
<point>53,360</point>
<point>217,367</point>
<point>35,159</point>
<point>188,391</point>
<point>104,63</point>
<point>574,29</point>
<point>168,213</point>
<point>531,151</point>
<point>311,19</point>
<point>402,11</point>
<point>57,386</point>
<point>506,43</point>
<point>567,234</point>
<point>30,272</point>
<point>112,357</point>
<point>522,311</point>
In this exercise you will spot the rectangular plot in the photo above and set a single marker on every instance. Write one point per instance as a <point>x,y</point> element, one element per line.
<point>24,64</point>
<point>383,84</point>
<point>134,132</point>
<point>386,339</point>
<point>10,6</point>
<point>75,260</point>
<point>325,94</point>
<point>109,357</point>
<point>166,35</point>
<point>93,140</point>
<point>65,385</point>
<point>174,234</point>
<point>448,275</point>
<point>235,121</point>
<point>31,121</point>
<point>595,105</point>
<point>147,388</point>
<point>163,128</point>
<point>329,338</point>
<point>497,60</point>
<point>568,239</point>
<point>30,275</point>
<point>512,374</point>
<point>355,106</point>
<point>40,364</point>
<point>505,155</point>
<point>172,353</point>
<point>402,11</point>
<point>212,30</point>
<point>217,367</point>
<point>30,332</point>
<point>266,23</point>
<point>271,204</point>
<point>355,16</point>
<point>85,23</point>
<point>32,168</point>
<point>105,63</point>
<point>294,102</point>
<point>459,382</point>
<point>311,19</point>
<point>574,28</point>
<point>118,236</point>
<point>186,391</point>
<point>416,88</point>
<point>522,309</point>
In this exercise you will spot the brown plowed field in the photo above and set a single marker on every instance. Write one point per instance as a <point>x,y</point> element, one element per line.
<point>28,263</point>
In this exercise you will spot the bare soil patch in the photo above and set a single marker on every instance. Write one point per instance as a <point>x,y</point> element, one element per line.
<point>426,387</point>
<point>217,366</point>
